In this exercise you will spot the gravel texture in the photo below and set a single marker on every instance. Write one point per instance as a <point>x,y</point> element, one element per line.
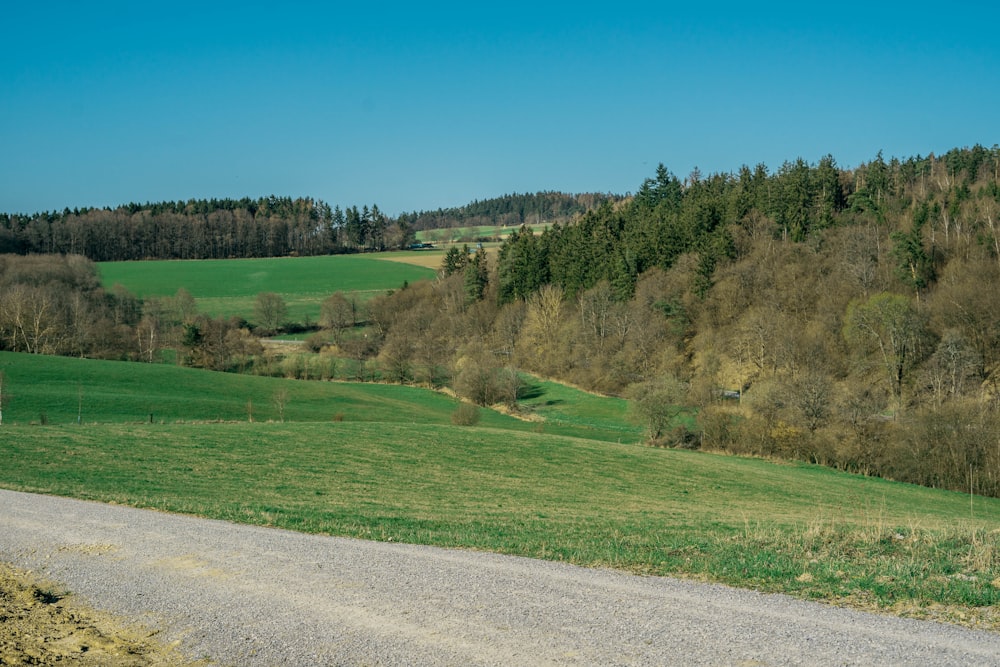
<point>243,595</point>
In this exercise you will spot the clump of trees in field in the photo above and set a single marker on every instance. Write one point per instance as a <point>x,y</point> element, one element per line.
<point>54,304</point>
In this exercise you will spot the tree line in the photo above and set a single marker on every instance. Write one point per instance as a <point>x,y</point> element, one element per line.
<point>264,227</point>
<point>512,210</point>
<point>204,229</point>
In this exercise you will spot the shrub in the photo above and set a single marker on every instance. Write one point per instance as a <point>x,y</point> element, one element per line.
<point>466,414</point>
<point>314,342</point>
<point>683,438</point>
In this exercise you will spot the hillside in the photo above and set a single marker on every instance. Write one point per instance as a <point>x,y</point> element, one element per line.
<point>837,316</point>
<point>511,210</point>
<point>387,462</point>
<point>48,390</point>
<point>843,317</point>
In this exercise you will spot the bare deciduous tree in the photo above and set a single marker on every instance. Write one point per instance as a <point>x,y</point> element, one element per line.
<point>280,400</point>
<point>889,326</point>
<point>657,403</point>
<point>270,311</point>
<point>337,314</point>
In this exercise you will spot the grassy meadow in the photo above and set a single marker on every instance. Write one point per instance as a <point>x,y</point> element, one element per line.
<point>385,462</point>
<point>44,390</point>
<point>230,287</point>
<point>800,529</point>
<point>561,405</point>
<point>60,390</point>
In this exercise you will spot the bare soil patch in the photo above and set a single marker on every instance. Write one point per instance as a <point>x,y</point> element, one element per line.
<point>430,260</point>
<point>40,624</point>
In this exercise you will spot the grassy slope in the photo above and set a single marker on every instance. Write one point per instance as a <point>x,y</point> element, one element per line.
<point>59,390</point>
<point>471,482</point>
<point>229,287</point>
<point>396,469</point>
<point>796,528</point>
<point>62,389</point>
<point>561,405</point>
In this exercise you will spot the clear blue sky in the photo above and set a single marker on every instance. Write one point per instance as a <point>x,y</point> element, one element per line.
<point>412,106</point>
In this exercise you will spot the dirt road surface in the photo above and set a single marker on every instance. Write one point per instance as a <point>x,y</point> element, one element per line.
<point>243,595</point>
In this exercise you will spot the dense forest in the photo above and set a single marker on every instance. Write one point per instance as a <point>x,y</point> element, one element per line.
<point>265,227</point>
<point>511,210</point>
<point>204,229</point>
<point>848,317</point>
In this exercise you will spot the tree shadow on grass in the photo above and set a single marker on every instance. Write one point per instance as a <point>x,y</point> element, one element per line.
<point>530,390</point>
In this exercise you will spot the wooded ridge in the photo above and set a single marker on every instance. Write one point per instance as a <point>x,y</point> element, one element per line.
<point>510,210</point>
<point>845,317</point>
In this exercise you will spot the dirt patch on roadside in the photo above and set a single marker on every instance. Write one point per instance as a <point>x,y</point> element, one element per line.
<point>40,624</point>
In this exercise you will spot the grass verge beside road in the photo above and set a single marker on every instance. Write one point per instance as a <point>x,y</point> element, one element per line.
<point>799,529</point>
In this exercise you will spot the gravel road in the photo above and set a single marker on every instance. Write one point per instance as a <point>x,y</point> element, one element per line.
<point>243,595</point>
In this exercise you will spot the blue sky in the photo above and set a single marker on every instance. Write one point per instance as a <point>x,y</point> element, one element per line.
<point>418,106</point>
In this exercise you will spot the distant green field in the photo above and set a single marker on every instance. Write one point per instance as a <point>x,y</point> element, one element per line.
<point>230,287</point>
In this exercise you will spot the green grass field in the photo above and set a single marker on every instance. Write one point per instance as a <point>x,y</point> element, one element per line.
<point>62,390</point>
<point>800,529</point>
<point>395,468</point>
<point>230,287</point>
<point>561,405</point>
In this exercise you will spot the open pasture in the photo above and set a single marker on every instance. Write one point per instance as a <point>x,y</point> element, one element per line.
<point>561,405</point>
<point>62,390</point>
<point>801,529</point>
<point>385,462</point>
<point>229,287</point>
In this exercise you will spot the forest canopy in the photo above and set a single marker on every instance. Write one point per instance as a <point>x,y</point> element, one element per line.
<point>265,227</point>
<point>203,229</point>
<point>511,210</point>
